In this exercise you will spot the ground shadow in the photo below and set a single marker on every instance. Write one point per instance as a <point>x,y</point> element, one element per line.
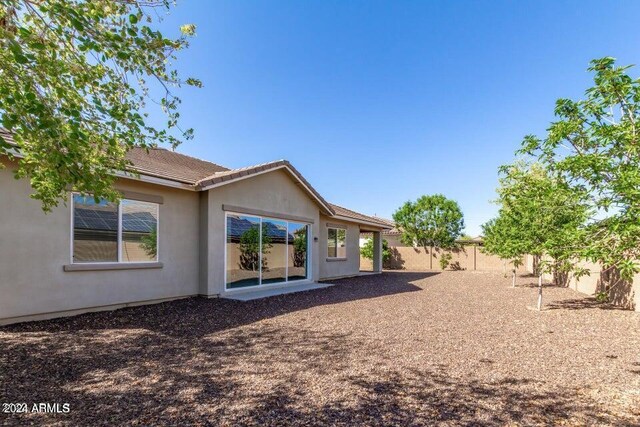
<point>203,316</point>
<point>428,398</point>
<point>455,266</point>
<point>535,285</point>
<point>395,261</point>
<point>215,362</point>
<point>619,292</point>
<point>263,376</point>
<point>141,377</point>
<point>583,304</point>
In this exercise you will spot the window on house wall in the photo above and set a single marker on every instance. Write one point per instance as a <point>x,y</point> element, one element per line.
<point>337,243</point>
<point>262,251</point>
<point>110,232</point>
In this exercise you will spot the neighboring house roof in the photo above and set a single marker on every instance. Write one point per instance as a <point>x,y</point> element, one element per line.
<point>393,231</point>
<point>353,215</point>
<point>238,226</point>
<point>102,220</point>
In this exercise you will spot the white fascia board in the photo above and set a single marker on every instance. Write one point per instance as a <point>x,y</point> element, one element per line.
<point>155,180</point>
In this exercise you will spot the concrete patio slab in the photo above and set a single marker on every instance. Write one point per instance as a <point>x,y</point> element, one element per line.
<point>265,293</point>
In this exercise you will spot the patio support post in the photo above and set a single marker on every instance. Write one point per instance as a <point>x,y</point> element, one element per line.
<point>377,251</point>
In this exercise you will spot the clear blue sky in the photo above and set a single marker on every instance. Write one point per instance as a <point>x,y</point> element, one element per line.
<point>377,103</point>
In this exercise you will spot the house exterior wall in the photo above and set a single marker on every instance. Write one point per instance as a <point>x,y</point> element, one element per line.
<point>350,266</point>
<point>203,255</point>
<point>273,192</point>
<point>35,246</point>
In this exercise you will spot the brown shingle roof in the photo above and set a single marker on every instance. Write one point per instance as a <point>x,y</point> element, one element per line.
<point>162,163</point>
<point>167,164</point>
<point>348,213</point>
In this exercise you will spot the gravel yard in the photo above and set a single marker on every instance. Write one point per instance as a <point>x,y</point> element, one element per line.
<point>405,348</point>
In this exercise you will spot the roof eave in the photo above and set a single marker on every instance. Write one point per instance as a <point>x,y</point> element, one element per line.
<point>154,179</point>
<point>360,221</point>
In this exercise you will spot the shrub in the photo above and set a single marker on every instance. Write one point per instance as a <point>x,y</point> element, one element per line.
<point>445,260</point>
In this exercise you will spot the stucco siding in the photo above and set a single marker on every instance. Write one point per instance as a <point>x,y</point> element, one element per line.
<point>35,246</point>
<point>349,266</point>
<point>203,237</point>
<point>274,192</point>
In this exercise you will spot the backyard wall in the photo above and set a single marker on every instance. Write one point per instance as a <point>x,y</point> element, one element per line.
<point>623,294</point>
<point>468,257</point>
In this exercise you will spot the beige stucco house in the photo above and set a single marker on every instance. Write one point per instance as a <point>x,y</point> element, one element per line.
<point>184,227</point>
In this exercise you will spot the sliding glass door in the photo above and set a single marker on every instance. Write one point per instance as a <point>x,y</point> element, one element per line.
<point>243,251</point>
<point>274,251</point>
<point>297,251</point>
<point>262,251</point>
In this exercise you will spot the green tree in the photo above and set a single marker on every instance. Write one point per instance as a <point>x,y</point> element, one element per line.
<point>367,250</point>
<point>149,243</point>
<point>430,221</point>
<point>594,144</point>
<point>501,239</point>
<point>250,244</point>
<point>75,81</point>
<point>300,247</point>
<point>445,260</point>
<point>541,215</point>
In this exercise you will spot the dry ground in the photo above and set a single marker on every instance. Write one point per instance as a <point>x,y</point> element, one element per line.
<point>402,348</point>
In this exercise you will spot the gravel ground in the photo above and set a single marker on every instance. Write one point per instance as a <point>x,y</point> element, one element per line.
<point>401,348</point>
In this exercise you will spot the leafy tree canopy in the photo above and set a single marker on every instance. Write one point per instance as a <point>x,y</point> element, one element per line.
<point>75,79</point>
<point>367,250</point>
<point>540,214</point>
<point>501,238</point>
<point>430,221</point>
<point>595,146</point>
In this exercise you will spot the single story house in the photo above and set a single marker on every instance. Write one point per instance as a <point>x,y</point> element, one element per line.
<point>184,227</point>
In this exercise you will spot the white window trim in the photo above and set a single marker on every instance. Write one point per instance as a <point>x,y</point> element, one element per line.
<point>345,243</point>
<point>260,285</point>
<point>119,236</point>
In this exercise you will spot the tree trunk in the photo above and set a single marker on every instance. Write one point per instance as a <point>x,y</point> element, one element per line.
<point>513,284</point>
<point>430,257</point>
<point>540,292</point>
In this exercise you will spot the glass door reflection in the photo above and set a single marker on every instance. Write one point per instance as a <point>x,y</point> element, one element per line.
<point>274,251</point>
<point>298,241</point>
<point>243,251</point>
